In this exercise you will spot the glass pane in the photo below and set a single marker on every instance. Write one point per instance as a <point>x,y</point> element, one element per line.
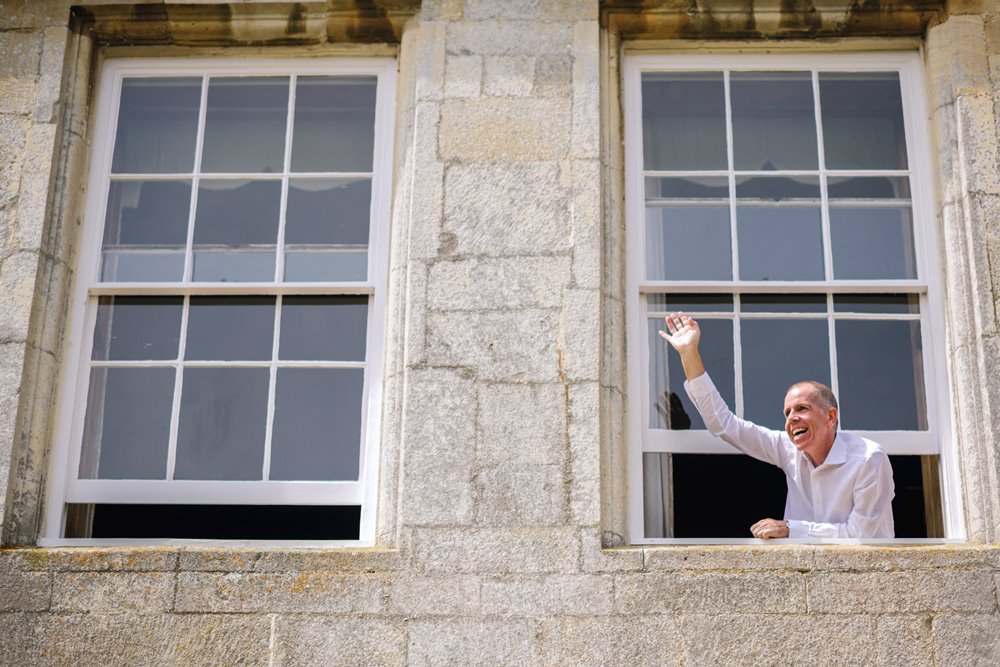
<point>884,187</point>
<point>777,188</point>
<point>694,187</point>
<point>683,121</point>
<point>876,303</point>
<point>234,214</point>
<point>157,126</point>
<point>323,213</point>
<point>328,328</point>
<point>147,213</point>
<point>862,120</point>
<point>776,354</point>
<point>220,434</point>
<point>783,303</point>
<point>689,303</point>
<point>136,266</point>
<point>146,221</point>
<point>688,243</point>
<point>127,428</point>
<point>224,328</point>
<point>872,243</point>
<point>881,375</point>
<point>137,327</point>
<point>670,407</point>
<point>780,243</point>
<point>326,265</point>
<point>245,125</point>
<point>334,123</point>
<point>774,121</point>
<point>317,424</point>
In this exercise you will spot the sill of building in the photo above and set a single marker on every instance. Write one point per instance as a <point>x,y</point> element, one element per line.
<point>809,541</point>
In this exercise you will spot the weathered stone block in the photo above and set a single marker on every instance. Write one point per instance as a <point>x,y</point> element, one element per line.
<point>488,551</point>
<point>586,91</point>
<point>34,191</point>
<point>521,424</point>
<point>503,209</point>
<point>17,284</point>
<point>434,596</point>
<point>280,592</point>
<point>492,284</point>
<point>113,592</point>
<point>22,54</point>
<point>598,559</point>
<point>588,273</point>
<point>913,592</point>
<point>439,441</point>
<point>967,640</point>
<point>572,595</point>
<point>463,76</point>
<point>341,560</point>
<point>14,130</point>
<point>903,640</point>
<point>25,591</point>
<point>509,76</point>
<point>509,37</point>
<point>491,129</point>
<point>532,496</point>
<point>302,640</point>
<point>101,559</point>
<point>889,558</point>
<point>553,76</point>
<point>516,346</point>
<point>429,58</point>
<point>580,322</point>
<point>977,143</point>
<point>658,593</point>
<point>50,79</point>
<point>776,639</point>
<point>955,58</point>
<point>741,557</point>
<point>585,453</point>
<point>17,96</point>
<point>613,640</point>
<point>125,640</point>
<point>467,642</point>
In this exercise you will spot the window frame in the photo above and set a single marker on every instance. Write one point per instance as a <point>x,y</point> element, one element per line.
<point>64,486</point>
<point>928,285</point>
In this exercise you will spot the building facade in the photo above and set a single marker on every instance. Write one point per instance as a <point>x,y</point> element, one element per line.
<point>328,329</point>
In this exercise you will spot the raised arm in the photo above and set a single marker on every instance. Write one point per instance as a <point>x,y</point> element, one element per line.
<point>684,336</point>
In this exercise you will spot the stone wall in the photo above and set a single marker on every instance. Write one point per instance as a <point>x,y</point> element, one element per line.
<point>502,491</point>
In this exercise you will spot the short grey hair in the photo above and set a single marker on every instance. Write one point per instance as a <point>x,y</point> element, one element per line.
<point>826,395</point>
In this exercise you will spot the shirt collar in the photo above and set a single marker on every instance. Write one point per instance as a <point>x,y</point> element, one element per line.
<point>838,453</point>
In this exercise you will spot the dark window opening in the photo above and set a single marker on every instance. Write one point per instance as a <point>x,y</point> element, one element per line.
<point>217,522</point>
<point>721,496</point>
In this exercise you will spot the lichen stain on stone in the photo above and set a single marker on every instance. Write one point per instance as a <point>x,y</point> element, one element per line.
<point>296,20</point>
<point>799,16</point>
<point>369,23</point>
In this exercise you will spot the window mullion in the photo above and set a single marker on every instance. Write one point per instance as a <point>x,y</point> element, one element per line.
<point>279,259</point>
<point>175,407</point>
<point>272,382</point>
<point>195,180</point>
<point>824,194</point>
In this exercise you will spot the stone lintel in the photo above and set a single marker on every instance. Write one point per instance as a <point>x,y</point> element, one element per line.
<point>768,19</point>
<point>246,24</point>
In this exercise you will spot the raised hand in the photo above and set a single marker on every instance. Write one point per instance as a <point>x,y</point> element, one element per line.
<point>684,332</point>
<point>684,336</point>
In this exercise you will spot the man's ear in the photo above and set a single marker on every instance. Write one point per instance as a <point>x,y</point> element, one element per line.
<point>831,415</point>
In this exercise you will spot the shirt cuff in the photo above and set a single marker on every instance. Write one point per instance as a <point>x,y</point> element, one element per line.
<point>797,528</point>
<point>700,386</point>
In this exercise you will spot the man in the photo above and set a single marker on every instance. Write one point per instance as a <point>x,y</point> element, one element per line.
<point>839,484</point>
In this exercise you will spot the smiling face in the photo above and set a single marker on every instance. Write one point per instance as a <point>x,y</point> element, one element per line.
<point>810,422</point>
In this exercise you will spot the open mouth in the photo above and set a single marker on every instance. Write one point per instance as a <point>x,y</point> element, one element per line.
<point>799,431</point>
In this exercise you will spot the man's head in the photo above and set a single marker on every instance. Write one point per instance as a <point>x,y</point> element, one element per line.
<point>811,419</point>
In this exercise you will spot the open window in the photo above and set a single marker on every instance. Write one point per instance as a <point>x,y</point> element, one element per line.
<point>223,374</point>
<point>784,202</point>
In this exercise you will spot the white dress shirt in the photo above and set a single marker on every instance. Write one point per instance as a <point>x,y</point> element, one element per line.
<point>849,495</point>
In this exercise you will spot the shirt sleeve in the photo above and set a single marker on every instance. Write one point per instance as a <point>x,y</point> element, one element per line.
<point>871,516</point>
<point>756,441</point>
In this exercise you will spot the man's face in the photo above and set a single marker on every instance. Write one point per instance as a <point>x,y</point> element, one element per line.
<point>811,427</point>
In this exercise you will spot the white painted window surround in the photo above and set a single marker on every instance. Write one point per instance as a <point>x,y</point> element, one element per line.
<point>752,202</point>
<point>267,293</point>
